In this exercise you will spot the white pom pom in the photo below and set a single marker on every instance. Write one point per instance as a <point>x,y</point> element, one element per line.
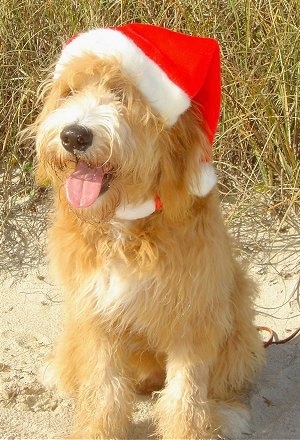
<point>204,181</point>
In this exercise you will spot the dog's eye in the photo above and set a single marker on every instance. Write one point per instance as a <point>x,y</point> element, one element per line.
<point>119,94</point>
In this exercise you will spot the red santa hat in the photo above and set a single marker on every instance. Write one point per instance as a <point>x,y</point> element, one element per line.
<point>171,70</point>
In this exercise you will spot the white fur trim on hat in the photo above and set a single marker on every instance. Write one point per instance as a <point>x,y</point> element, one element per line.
<point>162,93</point>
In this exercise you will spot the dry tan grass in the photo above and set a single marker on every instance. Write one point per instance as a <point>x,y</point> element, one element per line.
<point>257,149</point>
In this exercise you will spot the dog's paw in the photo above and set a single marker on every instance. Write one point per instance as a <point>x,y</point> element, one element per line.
<point>235,420</point>
<point>47,376</point>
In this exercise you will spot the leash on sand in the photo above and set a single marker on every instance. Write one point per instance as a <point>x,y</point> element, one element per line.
<point>272,339</point>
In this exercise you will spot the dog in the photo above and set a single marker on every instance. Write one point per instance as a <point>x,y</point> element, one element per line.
<point>155,300</point>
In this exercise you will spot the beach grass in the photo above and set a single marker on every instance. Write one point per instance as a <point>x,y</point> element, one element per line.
<point>257,149</point>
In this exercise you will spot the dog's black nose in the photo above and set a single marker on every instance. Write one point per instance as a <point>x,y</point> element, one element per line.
<point>76,137</point>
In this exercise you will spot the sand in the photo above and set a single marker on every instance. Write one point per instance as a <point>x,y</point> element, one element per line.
<point>31,311</point>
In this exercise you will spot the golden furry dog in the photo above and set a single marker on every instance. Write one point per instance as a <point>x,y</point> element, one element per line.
<point>154,300</point>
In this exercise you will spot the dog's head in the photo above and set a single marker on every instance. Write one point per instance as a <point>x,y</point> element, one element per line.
<point>115,133</point>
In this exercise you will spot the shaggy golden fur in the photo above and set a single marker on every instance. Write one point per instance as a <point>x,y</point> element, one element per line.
<point>158,303</point>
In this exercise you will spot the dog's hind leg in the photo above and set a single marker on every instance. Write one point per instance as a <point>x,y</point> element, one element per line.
<point>238,362</point>
<point>60,369</point>
<point>105,392</point>
<point>93,365</point>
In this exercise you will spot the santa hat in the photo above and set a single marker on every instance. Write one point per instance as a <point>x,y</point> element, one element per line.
<point>170,69</point>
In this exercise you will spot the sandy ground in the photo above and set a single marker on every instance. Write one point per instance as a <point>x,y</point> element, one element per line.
<point>30,309</point>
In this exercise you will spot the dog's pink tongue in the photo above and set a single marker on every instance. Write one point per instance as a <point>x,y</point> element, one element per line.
<point>84,185</point>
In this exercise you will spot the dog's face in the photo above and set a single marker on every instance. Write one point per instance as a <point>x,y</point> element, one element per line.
<point>100,143</point>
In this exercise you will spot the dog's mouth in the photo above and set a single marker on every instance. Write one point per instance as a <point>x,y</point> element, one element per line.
<point>87,183</point>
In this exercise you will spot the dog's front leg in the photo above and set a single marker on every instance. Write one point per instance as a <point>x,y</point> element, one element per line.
<point>105,389</point>
<point>182,411</point>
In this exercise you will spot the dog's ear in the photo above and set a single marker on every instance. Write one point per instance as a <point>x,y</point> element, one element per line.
<point>40,173</point>
<point>186,169</point>
<point>50,94</point>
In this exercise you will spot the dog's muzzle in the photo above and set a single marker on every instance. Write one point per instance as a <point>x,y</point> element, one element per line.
<point>76,137</point>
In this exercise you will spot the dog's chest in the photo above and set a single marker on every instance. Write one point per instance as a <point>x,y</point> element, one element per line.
<point>118,292</point>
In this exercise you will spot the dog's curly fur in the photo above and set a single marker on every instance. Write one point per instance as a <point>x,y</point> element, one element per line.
<point>158,303</point>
